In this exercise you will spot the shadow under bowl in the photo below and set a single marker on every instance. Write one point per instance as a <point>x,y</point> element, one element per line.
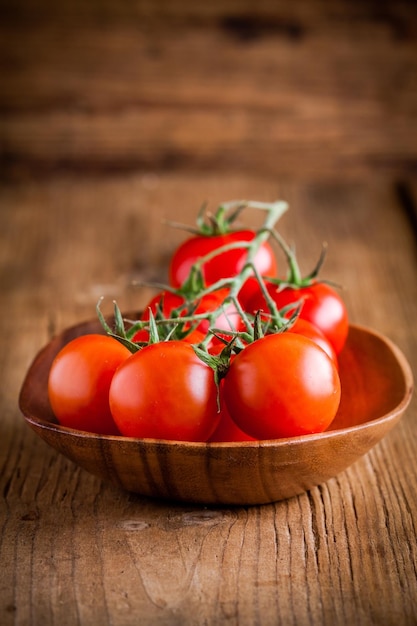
<point>377,385</point>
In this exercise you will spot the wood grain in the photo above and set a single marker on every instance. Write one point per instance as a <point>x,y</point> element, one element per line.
<point>301,91</point>
<point>77,551</point>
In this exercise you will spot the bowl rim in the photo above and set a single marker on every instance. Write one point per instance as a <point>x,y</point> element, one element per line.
<point>43,424</point>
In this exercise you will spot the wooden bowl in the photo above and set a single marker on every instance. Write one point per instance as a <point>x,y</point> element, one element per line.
<point>377,386</point>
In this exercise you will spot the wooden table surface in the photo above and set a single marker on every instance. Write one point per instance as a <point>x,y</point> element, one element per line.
<point>116,117</point>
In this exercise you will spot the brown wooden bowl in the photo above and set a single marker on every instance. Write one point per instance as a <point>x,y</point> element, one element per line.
<point>377,385</point>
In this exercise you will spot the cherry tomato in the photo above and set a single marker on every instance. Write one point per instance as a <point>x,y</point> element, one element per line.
<point>229,319</point>
<point>321,305</point>
<point>164,391</point>
<point>79,382</point>
<point>303,327</point>
<point>228,430</point>
<point>248,291</point>
<point>225,264</point>
<point>141,336</point>
<point>282,385</point>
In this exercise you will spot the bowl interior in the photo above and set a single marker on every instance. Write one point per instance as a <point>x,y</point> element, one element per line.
<point>375,377</point>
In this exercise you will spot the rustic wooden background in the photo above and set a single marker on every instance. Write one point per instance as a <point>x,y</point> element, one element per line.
<point>303,88</point>
<point>116,116</point>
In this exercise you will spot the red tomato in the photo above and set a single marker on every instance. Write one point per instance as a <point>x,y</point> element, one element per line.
<point>79,382</point>
<point>229,319</point>
<point>228,430</point>
<point>303,327</point>
<point>224,265</point>
<point>248,291</point>
<point>169,301</point>
<point>141,336</point>
<point>282,385</point>
<point>322,306</point>
<point>164,391</point>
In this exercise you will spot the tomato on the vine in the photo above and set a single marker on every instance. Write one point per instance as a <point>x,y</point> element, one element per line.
<point>225,264</point>
<point>321,305</point>
<point>307,329</point>
<point>142,336</point>
<point>79,382</point>
<point>164,391</point>
<point>168,302</point>
<point>282,385</point>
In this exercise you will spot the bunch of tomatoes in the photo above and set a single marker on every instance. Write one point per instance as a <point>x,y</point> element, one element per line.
<point>227,351</point>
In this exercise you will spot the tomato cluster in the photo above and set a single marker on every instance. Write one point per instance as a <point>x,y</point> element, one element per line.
<point>228,351</point>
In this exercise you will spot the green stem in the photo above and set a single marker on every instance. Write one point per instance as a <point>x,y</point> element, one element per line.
<point>294,276</point>
<point>243,315</point>
<point>236,245</point>
<point>275,212</point>
<point>276,316</point>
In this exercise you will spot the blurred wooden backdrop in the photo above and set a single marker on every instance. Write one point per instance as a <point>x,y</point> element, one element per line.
<point>305,89</point>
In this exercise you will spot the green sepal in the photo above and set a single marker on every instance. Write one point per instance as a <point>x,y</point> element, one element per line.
<point>153,329</point>
<point>193,285</point>
<point>294,278</point>
<point>222,221</point>
<point>119,329</point>
<point>258,331</point>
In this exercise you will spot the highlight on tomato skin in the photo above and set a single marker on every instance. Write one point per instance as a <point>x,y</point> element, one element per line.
<point>282,385</point>
<point>164,391</point>
<point>79,382</point>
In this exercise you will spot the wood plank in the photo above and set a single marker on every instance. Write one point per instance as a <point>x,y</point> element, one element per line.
<point>185,90</point>
<point>75,550</point>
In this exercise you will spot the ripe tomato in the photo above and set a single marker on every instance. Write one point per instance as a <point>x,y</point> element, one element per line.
<point>248,291</point>
<point>282,385</point>
<point>164,391</point>
<point>79,382</point>
<point>225,264</point>
<point>229,319</point>
<point>303,327</point>
<point>322,306</point>
<point>228,430</point>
